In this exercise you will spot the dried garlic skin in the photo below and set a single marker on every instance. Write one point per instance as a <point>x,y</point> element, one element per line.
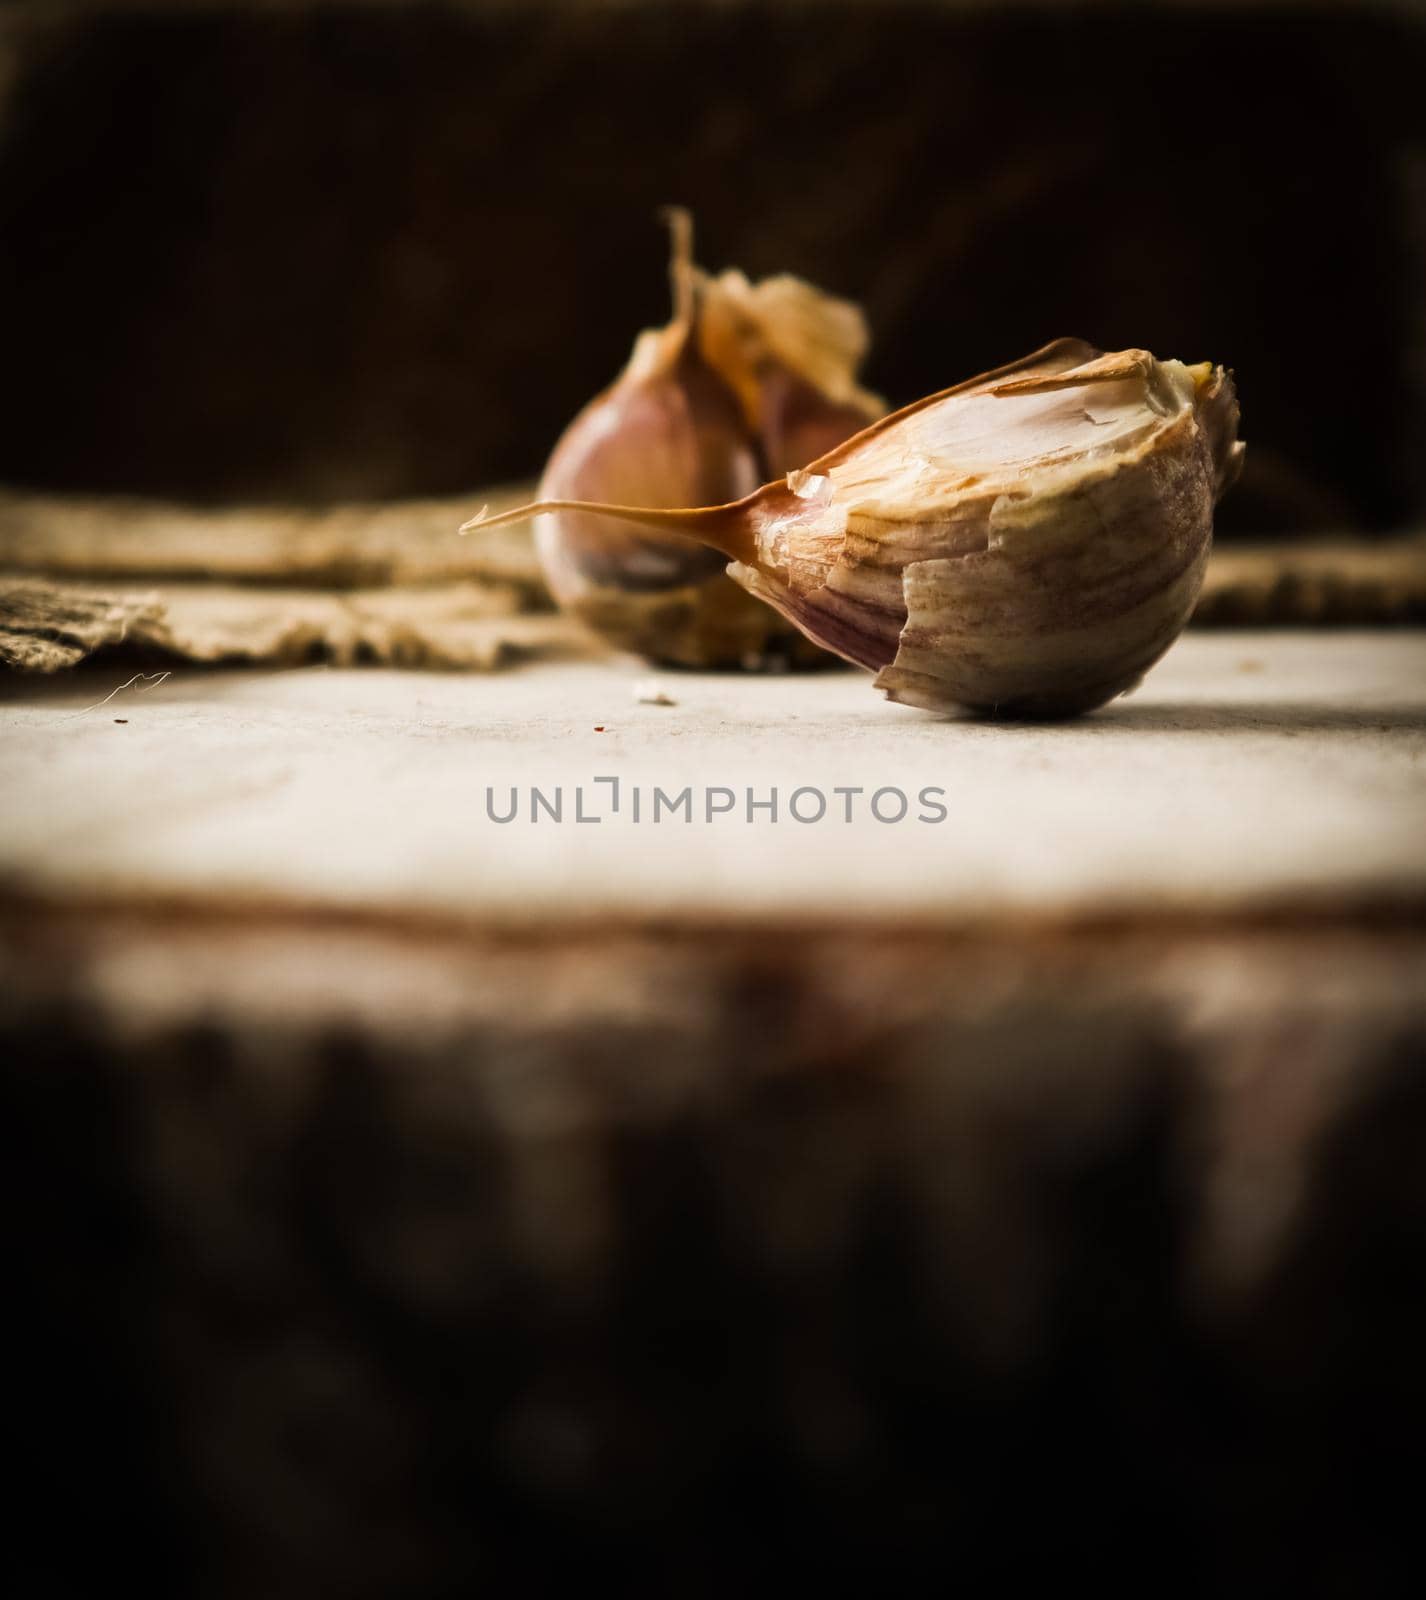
<point>790,353</point>
<point>747,382</point>
<point>1026,544</point>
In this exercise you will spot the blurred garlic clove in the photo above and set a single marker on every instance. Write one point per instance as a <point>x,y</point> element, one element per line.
<point>1028,543</point>
<point>692,419</point>
<point>667,433</point>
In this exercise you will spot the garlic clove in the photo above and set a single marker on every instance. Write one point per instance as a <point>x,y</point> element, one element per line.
<point>690,450</point>
<point>1026,543</point>
<point>732,383</point>
<point>1092,559</point>
<point>667,432</point>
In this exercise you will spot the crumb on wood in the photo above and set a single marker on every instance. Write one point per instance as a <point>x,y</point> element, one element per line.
<point>649,692</point>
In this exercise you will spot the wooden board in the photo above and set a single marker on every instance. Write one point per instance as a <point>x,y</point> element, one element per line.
<point>1250,771</point>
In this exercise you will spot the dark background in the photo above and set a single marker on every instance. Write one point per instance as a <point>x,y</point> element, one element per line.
<point>302,251</point>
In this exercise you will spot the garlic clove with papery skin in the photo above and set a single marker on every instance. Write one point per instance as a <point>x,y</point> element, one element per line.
<point>747,381</point>
<point>1027,543</point>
